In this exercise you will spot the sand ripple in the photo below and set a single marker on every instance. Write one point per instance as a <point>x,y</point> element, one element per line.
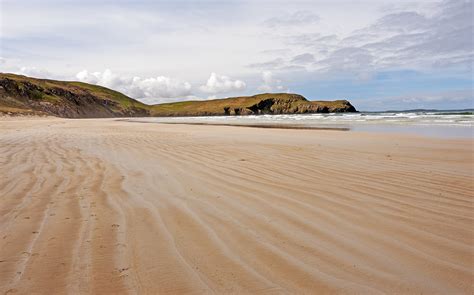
<point>102,206</point>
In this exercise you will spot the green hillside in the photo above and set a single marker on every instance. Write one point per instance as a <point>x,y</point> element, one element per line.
<point>21,94</point>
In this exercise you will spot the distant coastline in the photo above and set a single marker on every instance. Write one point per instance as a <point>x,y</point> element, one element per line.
<point>447,111</point>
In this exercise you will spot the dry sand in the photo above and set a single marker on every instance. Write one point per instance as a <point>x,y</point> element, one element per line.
<point>104,206</point>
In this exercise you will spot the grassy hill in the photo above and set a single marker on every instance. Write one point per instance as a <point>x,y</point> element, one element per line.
<point>21,94</point>
<point>25,95</point>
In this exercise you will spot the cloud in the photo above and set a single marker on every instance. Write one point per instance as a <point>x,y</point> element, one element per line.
<point>222,84</point>
<point>271,64</point>
<point>34,72</point>
<point>411,40</point>
<point>297,18</point>
<point>276,51</point>
<point>14,65</point>
<point>447,99</point>
<point>305,58</point>
<point>271,84</point>
<point>402,22</point>
<point>106,78</point>
<point>313,40</point>
<point>147,89</point>
<point>350,59</point>
<point>465,95</point>
<point>402,40</point>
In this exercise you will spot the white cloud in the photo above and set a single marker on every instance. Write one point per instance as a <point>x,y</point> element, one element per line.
<point>451,99</point>
<point>445,96</point>
<point>146,89</point>
<point>271,84</point>
<point>305,58</point>
<point>34,72</point>
<point>297,18</point>
<point>15,66</point>
<point>103,79</point>
<point>406,39</point>
<point>222,84</point>
<point>271,64</point>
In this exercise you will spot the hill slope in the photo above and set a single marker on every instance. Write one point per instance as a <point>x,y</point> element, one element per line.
<point>24,95</point>
<point>20,94</point>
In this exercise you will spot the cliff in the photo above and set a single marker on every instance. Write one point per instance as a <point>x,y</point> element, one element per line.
<point>24,95</point>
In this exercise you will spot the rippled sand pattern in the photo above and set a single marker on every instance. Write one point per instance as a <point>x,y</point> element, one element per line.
<point>102,206</point>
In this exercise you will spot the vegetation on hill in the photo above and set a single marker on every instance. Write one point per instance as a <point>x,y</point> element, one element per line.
<point>25,95</point>
<point>21,94</point>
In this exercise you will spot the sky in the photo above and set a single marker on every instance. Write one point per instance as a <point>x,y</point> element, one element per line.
<point>379,54</point>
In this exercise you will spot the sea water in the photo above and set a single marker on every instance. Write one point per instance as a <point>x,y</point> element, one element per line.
<point>459,123</point>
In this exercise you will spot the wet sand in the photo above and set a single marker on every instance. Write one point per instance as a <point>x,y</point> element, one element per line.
<point>107,206</point>
<point>257,125</point>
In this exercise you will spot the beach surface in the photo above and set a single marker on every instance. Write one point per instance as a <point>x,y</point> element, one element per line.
<point>106,206</point>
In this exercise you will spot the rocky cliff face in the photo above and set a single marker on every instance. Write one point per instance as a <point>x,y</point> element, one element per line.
<point>294,106</point>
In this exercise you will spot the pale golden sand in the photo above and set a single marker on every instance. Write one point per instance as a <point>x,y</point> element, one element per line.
<point>102,206</point>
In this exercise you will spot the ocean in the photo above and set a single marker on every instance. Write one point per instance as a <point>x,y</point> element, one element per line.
<point>439,123</point>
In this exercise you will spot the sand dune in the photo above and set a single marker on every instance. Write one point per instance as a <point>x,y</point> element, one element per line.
<point>105,206</point>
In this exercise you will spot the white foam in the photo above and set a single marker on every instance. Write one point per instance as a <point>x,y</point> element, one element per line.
<point>345,119</point>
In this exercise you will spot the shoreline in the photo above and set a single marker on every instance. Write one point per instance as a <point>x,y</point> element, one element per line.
<point>423,130</point>
<point>265,126</point>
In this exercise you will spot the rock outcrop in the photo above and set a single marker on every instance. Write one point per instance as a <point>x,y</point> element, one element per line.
<point>292,106</point>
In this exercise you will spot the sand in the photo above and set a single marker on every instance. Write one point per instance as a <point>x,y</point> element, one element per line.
<point>107,206</point>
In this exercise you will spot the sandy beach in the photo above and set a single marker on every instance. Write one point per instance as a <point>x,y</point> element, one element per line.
<point>108,206</point>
